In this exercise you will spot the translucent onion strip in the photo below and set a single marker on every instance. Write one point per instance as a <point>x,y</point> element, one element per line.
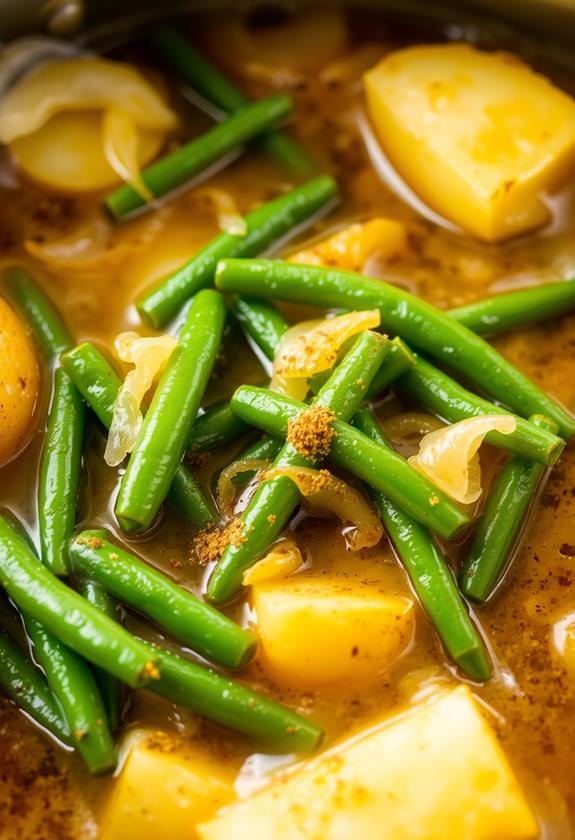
<point>226,490</point>
<point>327,493</point>
<point>449,456</point>
<point>148,355</point>
<point>283,559</point>
<point>313,346</point>
<point>225,208</point>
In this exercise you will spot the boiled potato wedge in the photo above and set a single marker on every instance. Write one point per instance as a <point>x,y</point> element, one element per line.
<point>317,632</point>
<point>19,383</point>
<point>437,773</point>
<point>162,792</point>
<point>479,136</point>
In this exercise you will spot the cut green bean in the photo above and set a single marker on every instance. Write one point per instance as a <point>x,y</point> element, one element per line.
<point>38,311</point>
<point>379,467</point>
<point>99,384</point>
<point>163,436</point>
<point>230,704</point>
<point>111,689</point>
<point>261,322</point>
<point>275,499</point>
<point>437,392</point>
<point>399,360</point>
<point>266,226</point>
<point>199,154</point>
<point>177,610</point>
<point>216,427</point>
<point>430,574</point>
<point>60,470</point>
<point>508,311</point>
<point>195,70</point>
<point>74,686</point>
<point>402,314</point>
<point>501,523</point>
<point>25,685</point>
<point>68,616</point>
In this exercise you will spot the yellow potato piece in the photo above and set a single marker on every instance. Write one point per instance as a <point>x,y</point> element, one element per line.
<point>67,152</point>
<point>319,633</point>
<point>351,247</point>
<point>438,773</point>
<point>19,383</point>
<point>161,793</point>
<point>479,136</point>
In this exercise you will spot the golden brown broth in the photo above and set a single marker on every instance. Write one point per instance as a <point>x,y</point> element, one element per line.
<point>45,793</point>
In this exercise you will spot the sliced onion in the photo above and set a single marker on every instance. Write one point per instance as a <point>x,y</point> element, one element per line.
<point>295,386</point>
<point>148,355</point>
<point>352,66</point>
<point>229,219</point>
<point>283,559</point>
<point>312,347</point>
<point>327,493</point>
<point>226,492</point>
<point>351,248</point>
<point>448,457</point>
<point>77,124</point>
<point>410,424</point>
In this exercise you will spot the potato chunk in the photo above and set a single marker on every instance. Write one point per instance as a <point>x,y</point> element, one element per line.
<point>479,136</point>
<point>320,633</point>
<point>162,793</point>
<point>438,773</point>
<point>352,247</point>
<point>19,383</point>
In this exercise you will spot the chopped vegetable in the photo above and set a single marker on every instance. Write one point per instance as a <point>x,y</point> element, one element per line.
<point>283,559</point>
<point>501,523</point>
<point>19,383</point>
<point>436,772</point>
<point>479,136</point>
<point>449,456</point>
<point>311,347</point>
<point>316,632</point>
<point>148,355</point>
<point>226,492</point>
<point>323,491</point>
<point>188,786</point>
<point>353,246</point>
<point>82,124</point>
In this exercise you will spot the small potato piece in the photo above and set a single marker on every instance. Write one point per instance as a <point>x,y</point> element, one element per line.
<point>351,247</point>
<point>479,136</point>
<point>161,793</point>
<point>438,773</point>
<point>19,383</point>
<point>67,154</point>
<point>321,633</point>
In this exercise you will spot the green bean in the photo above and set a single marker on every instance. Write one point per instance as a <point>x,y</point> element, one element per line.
<point>266,226</point>
<point>179,612</point>
<point>501,523</point>
<point>99,384</point>
<point>399,360</point>
<point>74,686</point>
<point>199,154</point>
<point>38,311</point>
<point>60,470</point>
<point>68,616</point>
<point>503,312</point>
<point>162,439</point>
<point>380,468</point>
<point>261,321</point>
<point>226,702</point>
<point>429,573</point>
<point>214,428</point>
<point>440,394</point>
<point>402,314</point>
<point>275,499</point>
<point>24,684</point>
<point>111,689</point>
<point>196,71</point>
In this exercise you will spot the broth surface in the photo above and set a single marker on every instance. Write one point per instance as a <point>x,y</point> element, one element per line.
<point>44,793</point>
